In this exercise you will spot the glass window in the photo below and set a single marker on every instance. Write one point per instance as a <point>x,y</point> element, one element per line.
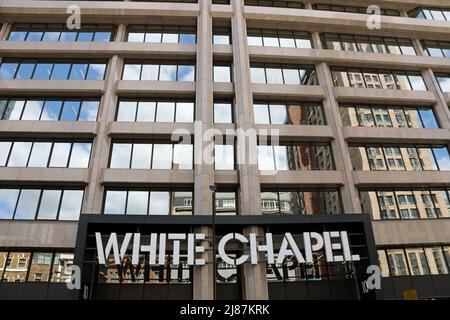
<point>417,261</point>
<point>428,118</point>
<point>49,204</point>
<point>159,203</point>
<point>187,38</point>
<point>170,38</point>
<point>265,158</point>
<point>78,71</point>
<point>89,110</point>
<point>85,36</point>
<point>25,71</point>
<point>14,110</point>
<point>223,157</point>
<point>168,73</point>
<point>60,268</point>
<point>136,37</point>
<point>40,154</point>
<point>274,76</point>
<point>8,200</point>
<point>16,271</point>
<point>102,36</point>
<point>142,156</point>
<point>291,76</point>
<point>417,82</point>
<point>8,70</point>
<point>132,72</point>
<point>182,156</point>
<point>51,110</point>
<point>127,111</point>
<point>146,111</point>
<point>120,156</point>
<point>442,158</point>
<point>5,146</point>
<point>281,157</point>
<point>96,72</point>
<point>269,203</point>
<point>137,202</point>
<point>222,74</point>
<point>258,75</point>
<point>165,112</point>
<point>436,260</point>
<point>17,36</point>
<point>162,156</point>
<point>32,110</point>
<point>60,71</point>
<point>397,262</point>
<point>186,73</point>
<point>80,155</point>
<point>223,113</point>
<point>71,205</point>
<point>261,113</point>
<point>40,267</point>
<point>27,205</point>
<point>115,202</point>
<point>19,154</point>
<point>185,112</point>
<point>43,71</point>
<point>254,41</point>
<point>278,114</point>
<point>153,37</point>
<point>70,111</point>
<point>221,39</point>
<point>225,203</point>
<point>60,155</point>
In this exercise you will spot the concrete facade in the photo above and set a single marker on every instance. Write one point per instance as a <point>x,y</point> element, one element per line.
<point>246,178</point>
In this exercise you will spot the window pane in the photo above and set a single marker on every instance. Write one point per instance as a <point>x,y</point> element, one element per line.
<point>120,156</point>
<point>303,43</point>
<point>278,114</point>
<point>261,114</point>
<point>287,43</point>
<point>153,37</point>
<point>225,203</point>
<point>428,118</point>
<point>17,269</point>
<point>49,204</point>
<point>221,39</point>
<point>8,70</point>
<point>254,41</point>
<point>187,38</point>
<point>43,71</point>
<point>159,203</point>
<point>89,110</point>
<point>417,83</point>
<point>40,267</point>
<point>397,262</point>
<point>258,75</point>
<point>281,157</point>
<point>185,112</point>
<point>51,110</point>
<point>222,113</point>
<point>137,202</point>
<point>14,110</point>
<point>427,159</point>
<point>102,36</point>
<point>17,36</point>
<point>170,38</point>
<point>27,205</point>
<point>417,261</point>
<point>25,71</point>
<point>222,74</point>
<point>4,152</point>
<point>165,112</point>
<point>19,154</point>
<point>291,76</point>
<point>274,76</point>
<point>269,203</point>
<point>223,157</point>
<point>132,72</point>
<point>80,155</point>
<point>442,158</point>
<point>136,37</point>
<point>183,156</point>
<point>127,111</point>
<point>60,155</point>
<point>32,110</point>
<point>79,71</point>
<point>182,203</point>
<point>115,202</point>
<point>441,202</point>
<point>168,73</point>
<point>436,260</point>
<point>265,158</point>
<point>40,154</point>
<point>60,71</point>
<point>186,73</point>
<point>146,111</point>
<point>142,156</point>
<point>68,36</point>
<point>96,72</point>
<point>8,200</point>
<point>162,156</point>
<point>71,205</point>
<point>60,269</point>
<point>85,36</point>
<point>70,111</point>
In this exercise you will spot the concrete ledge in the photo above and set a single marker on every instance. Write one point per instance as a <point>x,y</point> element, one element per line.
<point>133,88</point>
<point>398,232</point>
<point>50,129</point>
<point>223,89</point>
<point>287,91</point>
<point>364,95</point>
<point>394,179</point>
<point>221,11</point>
<point>299,132</point>
<point>127,50</point>
<point>122,129</point>
<point>44,176</point>
<point>303,178</point>
<point>347,59</point>
<point>53,87</point>
<point>400,135</point>
<point>143,177</point>
<point>447,98</point>
<point>38,234</point>
<point>342,22</point>
<point>223,51</point>
<point>224,177</point>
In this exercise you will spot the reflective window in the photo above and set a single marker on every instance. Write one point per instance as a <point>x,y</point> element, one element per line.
<point>436,48</point>
<point>279,38</point>
<point>290,113</point>
<point>221,35</point>
<point>155,111</point>
<point>275,3</point>
<point>444,81</point>
<point>430,13</point>
<point>223,112</point>
<point>222,74</point>
<point>353,9</point>
<point>161,72</point>
<point>283,74</point>
<point>224,157</point>
<point>161,33</point>
<point>226,202</point>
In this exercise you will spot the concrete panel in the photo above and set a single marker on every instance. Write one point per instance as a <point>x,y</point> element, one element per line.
<point>305,178</point>
<point>395,135</point>
<point>403,97</point>
<point>156,130</point>
<point>401,178</point>
<point>288,92</point>
<point>226,177</point>
<point>86,88</point>
<point>399,232</point>
<point>38,234</point>
<point>48,129</point>
<point>299,132</point>
<point>136,177</point>
<point>44,176</point>
<point>131,88</point>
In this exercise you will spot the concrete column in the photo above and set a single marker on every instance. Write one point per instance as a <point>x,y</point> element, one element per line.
<point>4,31</point>
<point>93,197</point>
<point>440,108</point>
<point>350,199</point>
<point>248,173</point>
<point>255,276</point>
<point>204,276</point>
